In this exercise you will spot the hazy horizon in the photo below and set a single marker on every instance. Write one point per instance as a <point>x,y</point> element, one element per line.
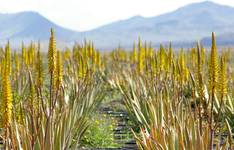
<point>80,15</point>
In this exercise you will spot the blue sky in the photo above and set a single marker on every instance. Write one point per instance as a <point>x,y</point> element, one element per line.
<point>84,15</point>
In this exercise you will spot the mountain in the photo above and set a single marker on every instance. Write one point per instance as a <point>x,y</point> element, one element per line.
<point>185,25</point>
<point>31,26</point>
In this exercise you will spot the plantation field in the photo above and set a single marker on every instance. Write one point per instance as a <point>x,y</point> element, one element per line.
<point>80,98</point>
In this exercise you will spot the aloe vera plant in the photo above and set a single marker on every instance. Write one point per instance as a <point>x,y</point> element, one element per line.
<point>178,112</point>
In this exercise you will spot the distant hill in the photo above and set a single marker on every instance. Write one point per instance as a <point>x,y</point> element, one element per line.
<point>31,26</point>
<point>184,25</point>
<point>187,24</point>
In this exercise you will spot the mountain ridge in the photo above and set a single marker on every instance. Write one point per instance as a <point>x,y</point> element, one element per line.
<point>186,24</point>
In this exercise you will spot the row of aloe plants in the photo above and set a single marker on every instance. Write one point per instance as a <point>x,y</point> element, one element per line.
<point>177,100</point>
<point>47,98</point>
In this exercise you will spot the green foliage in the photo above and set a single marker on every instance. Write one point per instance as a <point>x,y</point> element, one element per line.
<point>100,132</point>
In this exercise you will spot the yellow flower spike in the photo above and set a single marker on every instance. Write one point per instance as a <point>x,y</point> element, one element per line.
<point>186,74</point>
<point>59,70</point>
<point>153,65</point>
<point>8,58</point>
<point>17,63</point>
<point>75,54</point>
<point>199,71</point>
<point>39,68</point>
<point>146,50</point>
<point>213,70</point>
<point>170,56</point>
<point>93,48</point>
<point>31,54</point>
<point>223,76</point>
<point>134,53</point>
<point>94,57</point>
<point>213,80</point>
<point>166,68</point>
<point>3,65</point>
<point>183,69</point>
<point>174,71</point>
<point>52,54</point>
<point>139,44</point>
<point>67,54</point>
<point>84,69</point>
<point>85,50</point>
<point>23,54</point>
<point>140,61</point>
<point>80,68</point>
<point>161,58</point>
<point>203,55</point>
<point>199,61</point>
<point>27,59</point>
<point>90,49</point>
<point>151,52</point>
<point>140,65</point>
<point>146,56</point>
<point>99,63</point>
<point>94,61</point>
<point>193,57</point>
<point>7,96</point>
